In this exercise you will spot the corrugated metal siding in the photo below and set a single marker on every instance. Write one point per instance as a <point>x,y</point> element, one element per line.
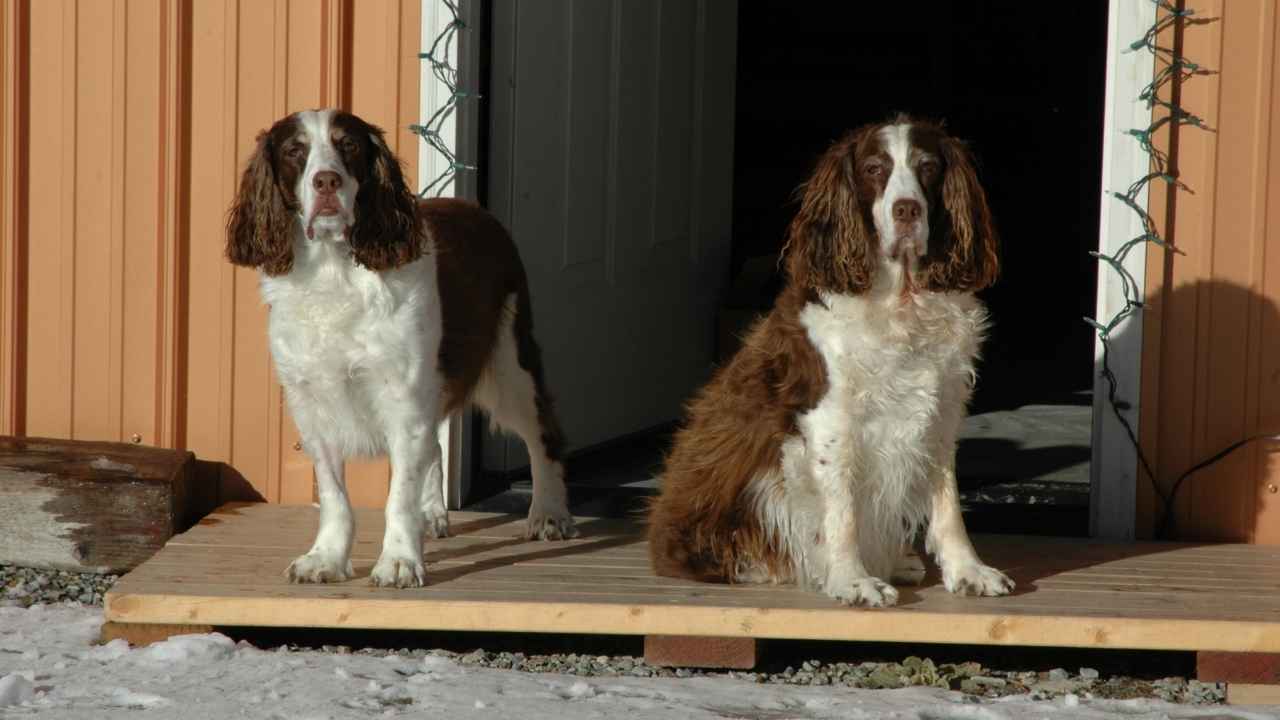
<point>135,118</point>
<point>125,124</point>
<point>1211,345</point>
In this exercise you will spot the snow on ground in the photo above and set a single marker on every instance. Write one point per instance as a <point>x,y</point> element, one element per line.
<point>51,667</point>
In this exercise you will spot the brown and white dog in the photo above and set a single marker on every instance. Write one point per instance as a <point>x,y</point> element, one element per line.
<point>387,313</point>
<point>829,439</point>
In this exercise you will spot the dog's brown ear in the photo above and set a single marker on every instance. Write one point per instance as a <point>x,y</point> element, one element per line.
<point>967,258</point>
<point>259,224</point>
<point>387,233</point>
<point>828,244</point>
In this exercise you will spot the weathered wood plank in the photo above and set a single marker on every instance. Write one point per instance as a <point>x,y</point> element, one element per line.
<point>146,633</point>
<point>701,652</point>
<point>538,612</point>
<point>1252,694</point>
<point>90,506</point>
<point>1072,593</point>
<point>1235,667</point>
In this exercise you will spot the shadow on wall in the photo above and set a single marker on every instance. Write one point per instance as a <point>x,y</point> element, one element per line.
<point>1211,375</point>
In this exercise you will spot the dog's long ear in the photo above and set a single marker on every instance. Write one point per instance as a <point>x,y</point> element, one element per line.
<point>967,259</point>
<point>259,224</point>
<point>828,244</point>
<point>386,233</point>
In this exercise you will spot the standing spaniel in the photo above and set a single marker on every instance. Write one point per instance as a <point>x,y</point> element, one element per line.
<point>817,453</point>
<point>386,315</point>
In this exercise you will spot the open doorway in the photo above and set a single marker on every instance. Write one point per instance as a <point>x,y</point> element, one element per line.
<point>1026,89</point>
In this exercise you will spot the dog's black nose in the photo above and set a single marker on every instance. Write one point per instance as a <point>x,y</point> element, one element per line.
<point>327,182</point>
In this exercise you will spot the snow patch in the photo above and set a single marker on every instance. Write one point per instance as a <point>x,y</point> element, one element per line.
<point>579,691</point>
<point>105,463</point>
<point>437,664</point>
<point>201,649</point>
<point>15,690</point>
<point>109,652</point>
<point>206,676</point>
<point>126,698</point>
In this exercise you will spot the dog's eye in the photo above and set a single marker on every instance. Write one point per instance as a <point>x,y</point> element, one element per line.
<point>929,169</point>
<point>347,145</point>
<point>295,151</point>
<point>873,170</point>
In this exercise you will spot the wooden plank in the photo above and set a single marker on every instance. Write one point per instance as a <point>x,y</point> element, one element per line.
<point>1250,694</point>
<point>1072,593</point>
<point>1256,668</point>
<point>249,566</point>
<point>503,586</point>
<point>146,633</point>
<point>701,652</point>
<point>90,507</point>
<point>620,615</point>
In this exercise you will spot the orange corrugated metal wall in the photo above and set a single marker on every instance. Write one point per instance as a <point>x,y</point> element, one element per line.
<point>125,128</point>
<point>1211,335</point>
<point>125,123</point>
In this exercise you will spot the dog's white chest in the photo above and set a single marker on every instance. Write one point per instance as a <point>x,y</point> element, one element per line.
<point>891,370</point>
<point>348,344</point>
<point>882,351</point>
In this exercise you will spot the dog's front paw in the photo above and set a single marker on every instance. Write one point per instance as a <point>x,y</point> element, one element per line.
<point>864,592</point>
<point>547,524</point>
<point>319,567</point>
<point>974,578</point>
<point>435,522</point>
<point>398,571</point>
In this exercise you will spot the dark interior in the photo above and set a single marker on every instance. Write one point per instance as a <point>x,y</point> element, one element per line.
<point>1023,83</point>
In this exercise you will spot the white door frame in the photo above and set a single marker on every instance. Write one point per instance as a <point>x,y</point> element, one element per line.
<point>1114,469</point>
<point>460,133</point>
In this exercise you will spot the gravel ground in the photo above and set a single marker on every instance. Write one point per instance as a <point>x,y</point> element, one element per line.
<point>26,586</point>
<point>970,678</point>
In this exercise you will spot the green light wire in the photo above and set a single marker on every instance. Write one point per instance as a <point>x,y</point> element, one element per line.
<point>430,131</point>
<point>1176,70</point>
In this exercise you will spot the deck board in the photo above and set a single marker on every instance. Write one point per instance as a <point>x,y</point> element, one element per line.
<point>226,571</point>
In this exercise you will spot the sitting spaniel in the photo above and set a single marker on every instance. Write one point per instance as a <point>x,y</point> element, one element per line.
<point>387,313</point>
<point>829,439</point>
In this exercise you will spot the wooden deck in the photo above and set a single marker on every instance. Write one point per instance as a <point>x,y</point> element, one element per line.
<point>226,571</point>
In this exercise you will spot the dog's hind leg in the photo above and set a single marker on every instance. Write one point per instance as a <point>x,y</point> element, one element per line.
<point>435,516</point>
<point>512,391</point>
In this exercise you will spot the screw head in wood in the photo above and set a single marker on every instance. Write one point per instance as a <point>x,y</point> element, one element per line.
<point>1271,488</point>
<point>136,438</point>
<point>297,446</point>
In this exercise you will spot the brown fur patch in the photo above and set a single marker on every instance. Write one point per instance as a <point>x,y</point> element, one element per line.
<point>702,525</point>
<point>386,233</point>
<point>477,268</point>
<point>831,241</point>
<point>963,252</point>
<point>260,221</point>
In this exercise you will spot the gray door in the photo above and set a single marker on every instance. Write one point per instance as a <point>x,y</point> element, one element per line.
<point>611,162</point>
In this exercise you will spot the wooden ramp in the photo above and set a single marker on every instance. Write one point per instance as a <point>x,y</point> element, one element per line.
<point>226,571</point>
